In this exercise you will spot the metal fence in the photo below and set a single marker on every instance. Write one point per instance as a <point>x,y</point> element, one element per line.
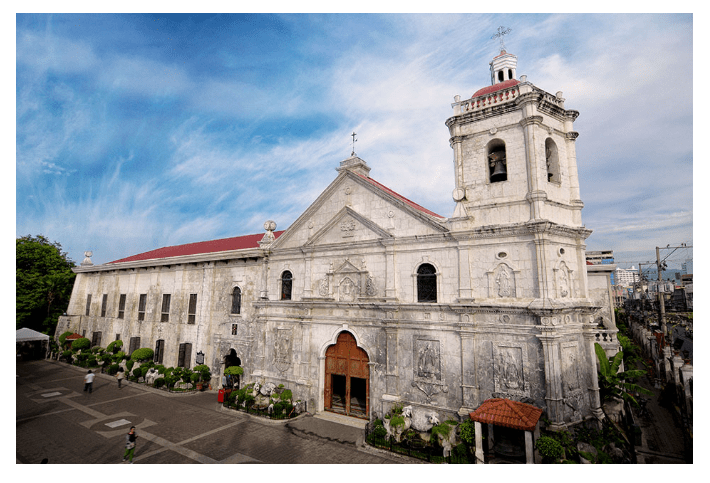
<point>417,448</point>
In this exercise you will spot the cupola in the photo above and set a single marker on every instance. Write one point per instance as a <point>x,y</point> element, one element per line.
<point>503,68</point>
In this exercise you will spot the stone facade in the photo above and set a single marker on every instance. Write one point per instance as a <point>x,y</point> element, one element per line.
<point>492,302</point>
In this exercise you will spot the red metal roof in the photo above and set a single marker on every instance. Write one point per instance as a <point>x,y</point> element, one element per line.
<point>400,197</point>
<point>496,87</point>
<point>504,412</point>
<point>212,246</point>
<point>74,336</point>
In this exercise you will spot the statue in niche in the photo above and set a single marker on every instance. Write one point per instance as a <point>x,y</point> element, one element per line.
<point>503,280</point>
<point>426,361</point>
<point>348,290</point>
<point>370,288</point>
<point>564,282</point>
<point>323,286</point>
<point>282,347</point>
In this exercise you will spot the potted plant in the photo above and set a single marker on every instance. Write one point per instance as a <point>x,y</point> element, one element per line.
<point>232,371</point>
<point>204,376</point>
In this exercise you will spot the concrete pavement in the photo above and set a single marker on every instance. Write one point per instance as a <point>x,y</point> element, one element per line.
<point>56,420</point>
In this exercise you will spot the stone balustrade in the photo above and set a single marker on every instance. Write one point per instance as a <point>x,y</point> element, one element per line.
<point>487,100</point>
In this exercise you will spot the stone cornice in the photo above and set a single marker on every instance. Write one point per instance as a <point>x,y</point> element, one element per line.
<point>255,253</point>
<point>522,229</point>
<point>531,120</point>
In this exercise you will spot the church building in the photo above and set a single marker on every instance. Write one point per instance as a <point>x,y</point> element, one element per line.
<point>369,299</point>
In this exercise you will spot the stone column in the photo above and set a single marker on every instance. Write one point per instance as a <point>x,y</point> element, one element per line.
<point>390,273</point>
<point>391,375</point>
<point>307,286</point>
<point>529,456</point>
<point>535,196</point>
<point>320,404</point>
<point>594,398</point>
<point>479,442</point>
<point>553,373</point>
<point>469,377</point>
<point>264,293</point>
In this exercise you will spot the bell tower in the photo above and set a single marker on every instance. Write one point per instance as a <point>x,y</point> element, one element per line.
<point>519,232</point>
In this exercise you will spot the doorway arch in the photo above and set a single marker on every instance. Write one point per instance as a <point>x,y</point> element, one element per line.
<point>347,378</point>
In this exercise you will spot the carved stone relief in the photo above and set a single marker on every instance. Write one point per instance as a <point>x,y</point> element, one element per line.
<point>282,349</point>
<point>508,373</point>
<point>427,357</point>
<point>324,287</point>
<point>570,367</point>
<point>563,278</point>
<point>502,281</point>
<point>347,227</point>
<point>348,290</point>
<point>370,288</point>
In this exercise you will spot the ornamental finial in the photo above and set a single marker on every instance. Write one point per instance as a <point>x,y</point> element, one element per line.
<point>501,32</point>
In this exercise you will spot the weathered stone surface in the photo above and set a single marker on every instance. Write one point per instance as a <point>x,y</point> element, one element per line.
<point>424,420</point>
<point>267,389</point>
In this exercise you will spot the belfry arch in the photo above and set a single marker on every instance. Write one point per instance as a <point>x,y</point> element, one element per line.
<point>346,377</point>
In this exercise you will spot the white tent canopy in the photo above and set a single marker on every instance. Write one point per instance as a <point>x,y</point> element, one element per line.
<point>27,335</point>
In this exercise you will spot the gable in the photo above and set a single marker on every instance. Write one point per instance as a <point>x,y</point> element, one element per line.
<point>354,208</point>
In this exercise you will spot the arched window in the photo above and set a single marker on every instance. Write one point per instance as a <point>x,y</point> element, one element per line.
<point>426,283</point>
<point>553,161</point>
<point>510,74</point>
<point>497,161</point>
<point>500,76</point>
<point>286,285</point>
<point>236,300</point>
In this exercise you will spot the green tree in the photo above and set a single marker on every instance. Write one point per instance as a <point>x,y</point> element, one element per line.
<point>43,283</point>
<point>615,384</point>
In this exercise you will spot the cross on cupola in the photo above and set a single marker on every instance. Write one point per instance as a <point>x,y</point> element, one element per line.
<point>503,65</point>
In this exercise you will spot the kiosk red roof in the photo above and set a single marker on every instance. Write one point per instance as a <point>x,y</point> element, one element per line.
<point>74,336</point>
<point>504,412</point>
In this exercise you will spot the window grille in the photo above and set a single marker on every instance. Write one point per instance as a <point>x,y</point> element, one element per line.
<point>88,304</point>
<point>192,308</point>
<point>159,349</point>
<point>134,344</point>
<point>121,305</point>
<point>286,285</point>
<point>104,302</point>
<point>141,306</point>
<point>165,310</point>
<point>236,300</point>
<point>426,283</point>
<point>96,339</point>
<point>184,355</point>
<point>234,329</point>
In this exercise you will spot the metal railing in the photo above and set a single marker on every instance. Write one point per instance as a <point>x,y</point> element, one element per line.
<point>417,448</point>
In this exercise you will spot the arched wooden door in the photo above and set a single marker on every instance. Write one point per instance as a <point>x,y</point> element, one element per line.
<point>347,378</point>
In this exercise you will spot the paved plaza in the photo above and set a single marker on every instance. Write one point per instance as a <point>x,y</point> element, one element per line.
<point>57,420</point>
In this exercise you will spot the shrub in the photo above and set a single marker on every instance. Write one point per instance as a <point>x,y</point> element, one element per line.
<point>115,346</point>
<point>82,356</point>
<point>195,377</point>
<point>550,449</point>
<point>63,337</point>
<point>82,343</point>
<point>467,432</point>
<point>96,349</point>
<point>142,354</point>
<point>379,431</point>
<point>234,371</point>
<point>442,429</point>
<point>161,369</point>
<point>113,369</point>
<point>106,358</point>
<point>287,394</point>
<point>144,370</point>
<point>137,372</point>
<point>129,364</point>
<point>160,382</point>
<point>398,420</point>
<point>91,361</point>
<point>67,354</point>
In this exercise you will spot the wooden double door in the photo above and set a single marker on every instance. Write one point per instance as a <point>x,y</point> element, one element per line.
<point>347,378</point>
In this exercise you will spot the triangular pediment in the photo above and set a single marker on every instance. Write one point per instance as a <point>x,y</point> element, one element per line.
<point>347,226</point>
<point>355,208</point>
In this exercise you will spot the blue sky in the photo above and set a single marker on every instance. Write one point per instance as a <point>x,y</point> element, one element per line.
<point>135,132</point>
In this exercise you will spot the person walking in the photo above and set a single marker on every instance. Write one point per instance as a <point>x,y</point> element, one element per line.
<point>120,375</point>
<point>89,381</point>
<point>130,445</point>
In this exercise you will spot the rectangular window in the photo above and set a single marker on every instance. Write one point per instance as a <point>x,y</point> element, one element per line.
<point>96,339</point>
<point>121,305</point>
<point>88,304</point>
<point>104,302</point>
<point>83,333</point>
<point>141,306</point>
<point>184,355</point>
<point>192,308</point>
<point>134,344</point>
<point>159,348</point>
<point>234,329</point>
<point>165,310</point>
<point>118,336</point>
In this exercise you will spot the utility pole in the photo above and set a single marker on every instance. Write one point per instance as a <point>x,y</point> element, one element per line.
<point>661,265</point>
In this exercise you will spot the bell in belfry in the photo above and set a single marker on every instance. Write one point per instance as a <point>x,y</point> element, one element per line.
<point>497,162</point>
